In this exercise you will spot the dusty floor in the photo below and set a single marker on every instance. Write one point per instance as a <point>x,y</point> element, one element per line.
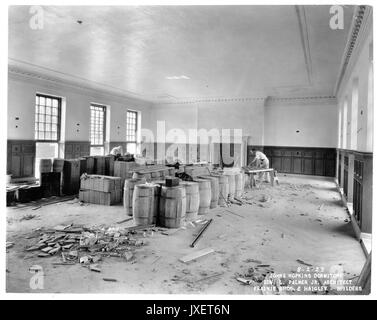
<point>302,219</point>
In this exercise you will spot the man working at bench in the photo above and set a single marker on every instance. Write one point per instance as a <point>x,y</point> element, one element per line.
<point>260,161</point>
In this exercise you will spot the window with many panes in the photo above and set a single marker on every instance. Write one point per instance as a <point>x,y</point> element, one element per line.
<point>131,135</point>
<point>47,118</point>
<point>97,125</point>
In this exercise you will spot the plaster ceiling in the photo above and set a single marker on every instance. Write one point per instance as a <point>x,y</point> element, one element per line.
<point>225,51</point>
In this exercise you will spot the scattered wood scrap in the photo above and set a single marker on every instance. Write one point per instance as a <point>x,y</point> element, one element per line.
<point>236,214</point>
<point>304,263</point>
<point>196,255</point>
<point>125,220</point>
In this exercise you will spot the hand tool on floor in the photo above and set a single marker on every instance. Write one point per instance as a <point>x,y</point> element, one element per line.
<point>192,245</point>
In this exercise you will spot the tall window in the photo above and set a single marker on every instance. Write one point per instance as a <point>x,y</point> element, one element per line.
<point>97,129</point>
<point>47,118</point>
<point>47,128</point>
<point>131,137</point>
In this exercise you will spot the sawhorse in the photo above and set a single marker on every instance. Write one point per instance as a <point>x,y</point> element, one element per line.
<point>251,172</point>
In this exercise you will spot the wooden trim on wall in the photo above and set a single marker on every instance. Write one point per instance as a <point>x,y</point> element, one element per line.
<point>356,152</point>
<point>302,160</point>
<point>21,158</point>
<point>76,149</point>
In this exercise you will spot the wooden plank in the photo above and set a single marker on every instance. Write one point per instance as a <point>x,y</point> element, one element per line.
<point>196,255</point>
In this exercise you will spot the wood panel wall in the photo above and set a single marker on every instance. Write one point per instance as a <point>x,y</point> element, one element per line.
<point>76,149</point>
<point>357,184</point>
<point>302,160</point>
<point>21,158</point>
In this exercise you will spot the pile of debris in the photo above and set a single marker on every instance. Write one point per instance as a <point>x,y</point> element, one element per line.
<point>255,275</point>
<point>87,245</point>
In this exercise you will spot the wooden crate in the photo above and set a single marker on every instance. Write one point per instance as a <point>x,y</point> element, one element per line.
<point>109,165</point>
<point>102,198</point>
<point>50,184</point>
<point>124,169</point>
<point>99,165</point>
<point>100,183</point>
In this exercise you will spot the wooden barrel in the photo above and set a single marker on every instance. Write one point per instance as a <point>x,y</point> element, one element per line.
<point>192,199</point>
<point>172,208</point>
<point>144,207</point>
<point>171,172</point>
<point>58,165</point>
<point>223,189</point>
<point>215,191</point>
<point>156,185</point>
<point>239,182</point>
<point>204,195</point>
<point>232,184</point>
<point>45,165</point>
<point>129,186</point>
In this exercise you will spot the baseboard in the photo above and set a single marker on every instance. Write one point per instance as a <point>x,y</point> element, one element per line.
<point>355,226</point>
<point>366,243</point>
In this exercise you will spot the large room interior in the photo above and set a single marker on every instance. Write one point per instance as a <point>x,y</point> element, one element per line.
<point>189,149</point>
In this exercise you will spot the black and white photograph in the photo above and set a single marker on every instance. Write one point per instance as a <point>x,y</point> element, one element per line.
<point>188,150</point>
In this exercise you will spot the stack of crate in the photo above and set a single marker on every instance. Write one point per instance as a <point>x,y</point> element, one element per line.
<point>98,189</point>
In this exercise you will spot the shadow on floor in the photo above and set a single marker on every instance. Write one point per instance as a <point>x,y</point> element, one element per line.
<point>345,229</point>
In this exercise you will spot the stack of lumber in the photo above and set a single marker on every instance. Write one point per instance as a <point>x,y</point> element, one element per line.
<point>98,189</point>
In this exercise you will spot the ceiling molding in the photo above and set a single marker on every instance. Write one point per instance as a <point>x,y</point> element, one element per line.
<point>21,70</point>
<point>361,24</point>
<point>310,100</point>
<point>265,100</point>
<point>304,36</point>
<point>215,100</point>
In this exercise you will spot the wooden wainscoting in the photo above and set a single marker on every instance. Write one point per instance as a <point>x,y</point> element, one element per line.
<point>21,158</point>
<point>76,149</point>
<point>358,166</point>
<point>302,160</point>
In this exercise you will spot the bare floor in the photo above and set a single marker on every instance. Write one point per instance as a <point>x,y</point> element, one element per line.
<point>301,219</point>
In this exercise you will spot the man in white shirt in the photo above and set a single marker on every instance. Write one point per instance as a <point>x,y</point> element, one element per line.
<point>260,161</point>
<point>117,151</point>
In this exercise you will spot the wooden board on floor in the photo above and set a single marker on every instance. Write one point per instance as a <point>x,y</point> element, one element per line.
<point>195,255</point>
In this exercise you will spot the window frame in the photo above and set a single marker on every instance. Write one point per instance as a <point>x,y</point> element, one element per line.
<point>136,126</point>
<point>104,107</point>
<point>59,120</point>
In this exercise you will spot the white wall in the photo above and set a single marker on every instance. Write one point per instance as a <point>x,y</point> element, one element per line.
<point>359,120</point>
<point>246,116</point>
<point>273,125</point>
<point>21,104</point>
<point>317,125</point>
